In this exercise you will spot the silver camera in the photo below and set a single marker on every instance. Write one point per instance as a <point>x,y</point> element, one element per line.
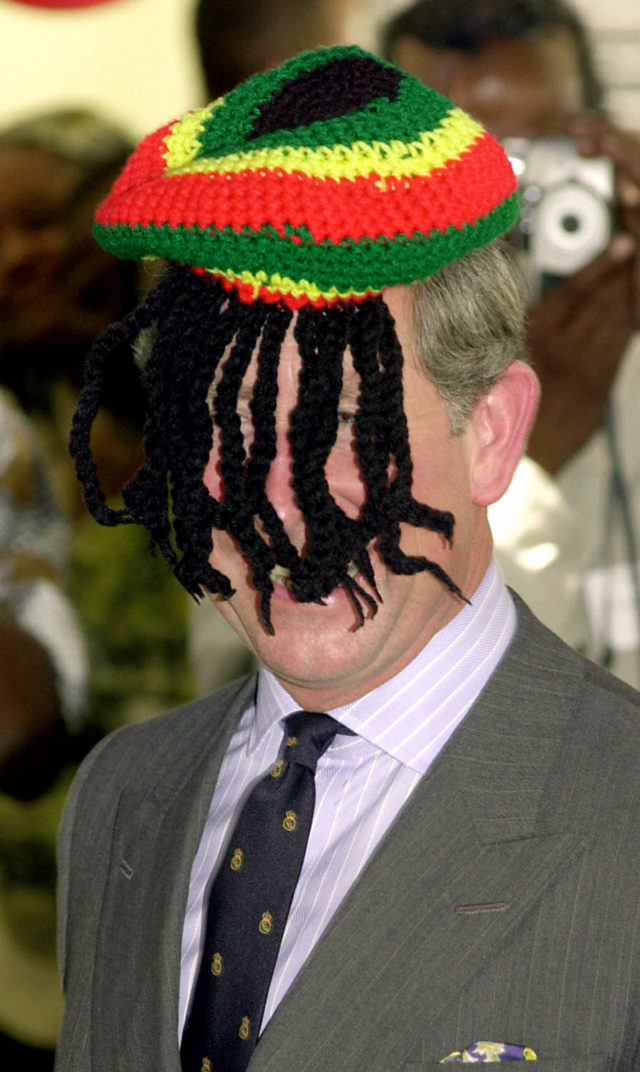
<point>566,216</point>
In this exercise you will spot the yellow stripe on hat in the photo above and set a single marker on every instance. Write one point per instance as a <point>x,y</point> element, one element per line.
<point>279,284</point>
<point>182,143</point>
<point>394,159</point>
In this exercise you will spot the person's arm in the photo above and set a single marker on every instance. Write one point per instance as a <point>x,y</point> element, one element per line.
<point>580,329</point>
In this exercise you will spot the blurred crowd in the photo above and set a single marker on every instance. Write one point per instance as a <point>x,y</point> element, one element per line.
<point>80,651</point>
<point>94,632</point>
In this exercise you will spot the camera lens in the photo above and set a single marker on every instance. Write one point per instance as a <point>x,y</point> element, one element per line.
<point>572,226</point>
<point>570,223</point>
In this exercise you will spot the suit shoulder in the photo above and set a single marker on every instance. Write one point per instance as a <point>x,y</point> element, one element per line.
<point>621,695</point>
<point>598,689</point>
<point>607,725</point>
<point>542,655</point>
<point>592,718</point>
<point>141,753</point>
<point>597,769</point>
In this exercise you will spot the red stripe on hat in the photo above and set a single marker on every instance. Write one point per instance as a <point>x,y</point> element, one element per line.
<point>331,209</point>
<point>144,165</point>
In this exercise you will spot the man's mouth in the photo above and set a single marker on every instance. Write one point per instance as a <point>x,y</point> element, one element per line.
<point>282,575</point>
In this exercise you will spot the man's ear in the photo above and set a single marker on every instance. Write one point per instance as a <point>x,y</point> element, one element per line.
<point>499,427</point>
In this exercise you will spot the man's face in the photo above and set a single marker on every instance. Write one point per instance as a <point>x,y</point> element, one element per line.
<point>316,652</point>
<point>527,89</point>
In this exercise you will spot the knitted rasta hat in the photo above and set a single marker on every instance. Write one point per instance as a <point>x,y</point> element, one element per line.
<point>299,197</point>
<point>333,177</point>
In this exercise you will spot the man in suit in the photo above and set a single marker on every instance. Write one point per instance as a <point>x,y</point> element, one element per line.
<point>335,395</point>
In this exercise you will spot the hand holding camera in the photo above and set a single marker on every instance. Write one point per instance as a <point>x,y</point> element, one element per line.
<point>566,216</point>
<point>596,136</point>
<point>586,312</point>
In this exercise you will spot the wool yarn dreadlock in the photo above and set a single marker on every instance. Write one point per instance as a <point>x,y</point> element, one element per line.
<point>305,193</point>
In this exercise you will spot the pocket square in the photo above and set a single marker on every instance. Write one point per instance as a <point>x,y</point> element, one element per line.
<point>490,1051</point>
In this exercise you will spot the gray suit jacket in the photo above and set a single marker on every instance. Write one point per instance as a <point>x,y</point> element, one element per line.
<point>503,904</point>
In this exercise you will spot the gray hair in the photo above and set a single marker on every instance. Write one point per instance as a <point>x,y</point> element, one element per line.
<point>469,323</point>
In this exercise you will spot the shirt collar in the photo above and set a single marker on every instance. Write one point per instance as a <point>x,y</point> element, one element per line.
<point>408,714</point>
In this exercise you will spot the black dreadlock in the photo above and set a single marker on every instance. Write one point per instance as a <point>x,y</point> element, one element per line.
<point>195,320</point>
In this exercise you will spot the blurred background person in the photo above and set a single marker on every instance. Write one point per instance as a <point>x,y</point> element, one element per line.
<point>42,708</point>
<point>57,287</point>
<point>525,68</point>
<point>237,38</point>
<point>69,607</point>
<point>38,628</point>
<point>58,291</point>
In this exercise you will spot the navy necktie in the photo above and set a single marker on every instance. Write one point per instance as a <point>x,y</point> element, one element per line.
<point>249,903</point>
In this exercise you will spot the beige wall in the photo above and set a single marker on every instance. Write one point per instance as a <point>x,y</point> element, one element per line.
<point>135,60</point>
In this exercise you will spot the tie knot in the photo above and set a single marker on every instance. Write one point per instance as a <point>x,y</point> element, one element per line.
<point>309,735</point>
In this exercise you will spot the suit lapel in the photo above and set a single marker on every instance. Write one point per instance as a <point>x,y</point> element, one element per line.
<point>156,836</point>
<point>467,858</point>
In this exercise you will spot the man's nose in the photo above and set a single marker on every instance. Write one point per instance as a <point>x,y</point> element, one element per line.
<point>280,491</point>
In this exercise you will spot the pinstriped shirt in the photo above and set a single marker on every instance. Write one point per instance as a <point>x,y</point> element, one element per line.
<point>362,782</point>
